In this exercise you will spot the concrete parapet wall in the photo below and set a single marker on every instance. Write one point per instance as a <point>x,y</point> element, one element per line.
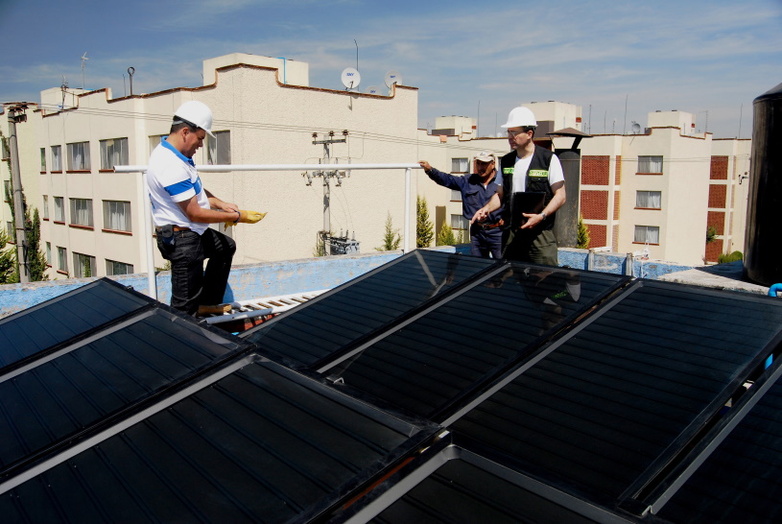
<point>245,283</point>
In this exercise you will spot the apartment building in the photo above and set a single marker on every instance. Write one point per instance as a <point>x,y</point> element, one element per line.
<point>265,113</point>
<point>661,192</point>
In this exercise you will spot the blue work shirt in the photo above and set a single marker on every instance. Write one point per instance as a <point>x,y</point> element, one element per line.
<point>474,194</point>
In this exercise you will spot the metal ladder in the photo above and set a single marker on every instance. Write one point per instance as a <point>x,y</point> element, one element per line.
<point>257,307</point>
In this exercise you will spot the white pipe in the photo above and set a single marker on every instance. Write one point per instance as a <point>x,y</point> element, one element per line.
<point>406,245</point>
<point>276,167</point>
<point>151,281</point>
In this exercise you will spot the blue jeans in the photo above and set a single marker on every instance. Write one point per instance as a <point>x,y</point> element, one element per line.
<point>191,285</point>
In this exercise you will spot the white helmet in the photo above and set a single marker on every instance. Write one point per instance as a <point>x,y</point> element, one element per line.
<point>520,117</point>
<point>196,113</point>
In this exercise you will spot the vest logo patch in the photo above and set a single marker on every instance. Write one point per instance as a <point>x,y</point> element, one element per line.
<point>538,173</point>
<point>507,170</point>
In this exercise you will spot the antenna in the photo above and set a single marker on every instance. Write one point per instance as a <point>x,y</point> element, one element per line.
<point>351,78</point>
<point>64,88</point>
<point>83,67</point>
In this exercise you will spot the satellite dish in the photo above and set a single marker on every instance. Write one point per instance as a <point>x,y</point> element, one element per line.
<point>392,77</point>
<point>636,128</point>
<point>373,90</point>
<point>351,78</point>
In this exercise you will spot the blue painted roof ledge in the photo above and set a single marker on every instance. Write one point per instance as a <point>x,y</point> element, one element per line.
<point>266,279</point>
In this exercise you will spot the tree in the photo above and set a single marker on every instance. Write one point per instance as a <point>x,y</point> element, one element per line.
<point>582,236</point>
<point>36,259</point>
<point>391,238</point>
<point>424,230</point>
<point>711,234</point>
<point>7,260</point>
<point>446,237</point>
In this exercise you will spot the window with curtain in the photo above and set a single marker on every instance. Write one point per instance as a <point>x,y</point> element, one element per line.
<point>456,195</point>
<point>113,152</point>
<point>647,235</point>
<point>459,165</point>
<point>154,141</point>
<point>218,148</point>
<point>49,254</point>
<point>116,215</point>
<point>7,191</point>
<point>650,164</point>
<point>459,223</point>
<point>59,211</point>
<point>45,207</point>
<point>81,211</point>
<point>83,266</point>
<point>118,268</point>
<point>56,158</point>
<point>62,259</point>
<point>79,156</point>
<point>43,160</point>
<point>648,199</point>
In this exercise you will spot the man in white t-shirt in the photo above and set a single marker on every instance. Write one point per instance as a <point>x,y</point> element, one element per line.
<point>533,190</point>
<point>182,210</point>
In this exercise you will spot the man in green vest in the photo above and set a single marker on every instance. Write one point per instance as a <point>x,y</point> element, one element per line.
<point>533,189</point>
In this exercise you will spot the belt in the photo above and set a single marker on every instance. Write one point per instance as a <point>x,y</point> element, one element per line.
<point>491,226</point>
<point>175,228</point>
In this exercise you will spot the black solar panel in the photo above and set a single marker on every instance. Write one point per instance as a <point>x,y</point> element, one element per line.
<point>613,402</point>
<point>260,444</point>
<point>430,364</point>
<point>32,331</point>
<point>742,480</point>
<point>98,377</point>
<point>326,324</point>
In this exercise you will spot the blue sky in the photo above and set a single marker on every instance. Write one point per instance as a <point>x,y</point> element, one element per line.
<point>617,59</point>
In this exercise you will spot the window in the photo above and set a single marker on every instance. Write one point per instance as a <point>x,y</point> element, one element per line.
<point>49,254</point>
<point>154,140</point>
<point>647,235</point>
<point>45,207</point>
<point>459,165</point>
<point>83,266</point>
<point>116,215</point>
<point>219,148</point>
<point>7,191</point>
<point>56,159</point>
<point>456,195</point>
<point>118,268</point>
<point>9,227</point>
<point>81,211</point>
<point>79,156</point>
<point>648,199</point>
<point>43,160</point>
<point>113,152</point>
<point>62,259</point>
<point>459,223</point>
<point>6,152</point>
<point>650,164</point>
<point>59,211</point>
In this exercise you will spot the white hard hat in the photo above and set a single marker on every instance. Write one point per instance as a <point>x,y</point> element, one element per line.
<point>196,113</point>
<point>520,117</point>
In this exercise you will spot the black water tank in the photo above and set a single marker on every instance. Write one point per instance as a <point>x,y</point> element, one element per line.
<point>763,244</point>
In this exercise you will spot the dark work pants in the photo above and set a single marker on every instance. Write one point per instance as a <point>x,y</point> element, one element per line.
<point>536,246</point>
<point>191,285</point>
<point>485,241</point>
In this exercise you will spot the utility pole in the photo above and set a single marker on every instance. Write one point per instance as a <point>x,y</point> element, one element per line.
<point>16,114</point>
<point>342,243</point>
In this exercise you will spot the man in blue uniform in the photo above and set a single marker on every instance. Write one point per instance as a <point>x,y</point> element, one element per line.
<point>476,190</point>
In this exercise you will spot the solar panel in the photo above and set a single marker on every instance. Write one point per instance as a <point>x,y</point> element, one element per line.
<point>343,316</point>
<point>253,443</point>
<point>605,408</point>
<point>31,332</point>
<point>427,366</point>
<point>741,481</point>
<point>99,376</point>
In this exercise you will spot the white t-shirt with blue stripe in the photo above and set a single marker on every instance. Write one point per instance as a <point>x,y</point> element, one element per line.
<point>173,178</point>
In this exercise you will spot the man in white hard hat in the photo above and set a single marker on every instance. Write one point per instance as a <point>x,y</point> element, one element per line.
<point>533,189</point>
<point>476,190</point>
<point>183,209</point>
